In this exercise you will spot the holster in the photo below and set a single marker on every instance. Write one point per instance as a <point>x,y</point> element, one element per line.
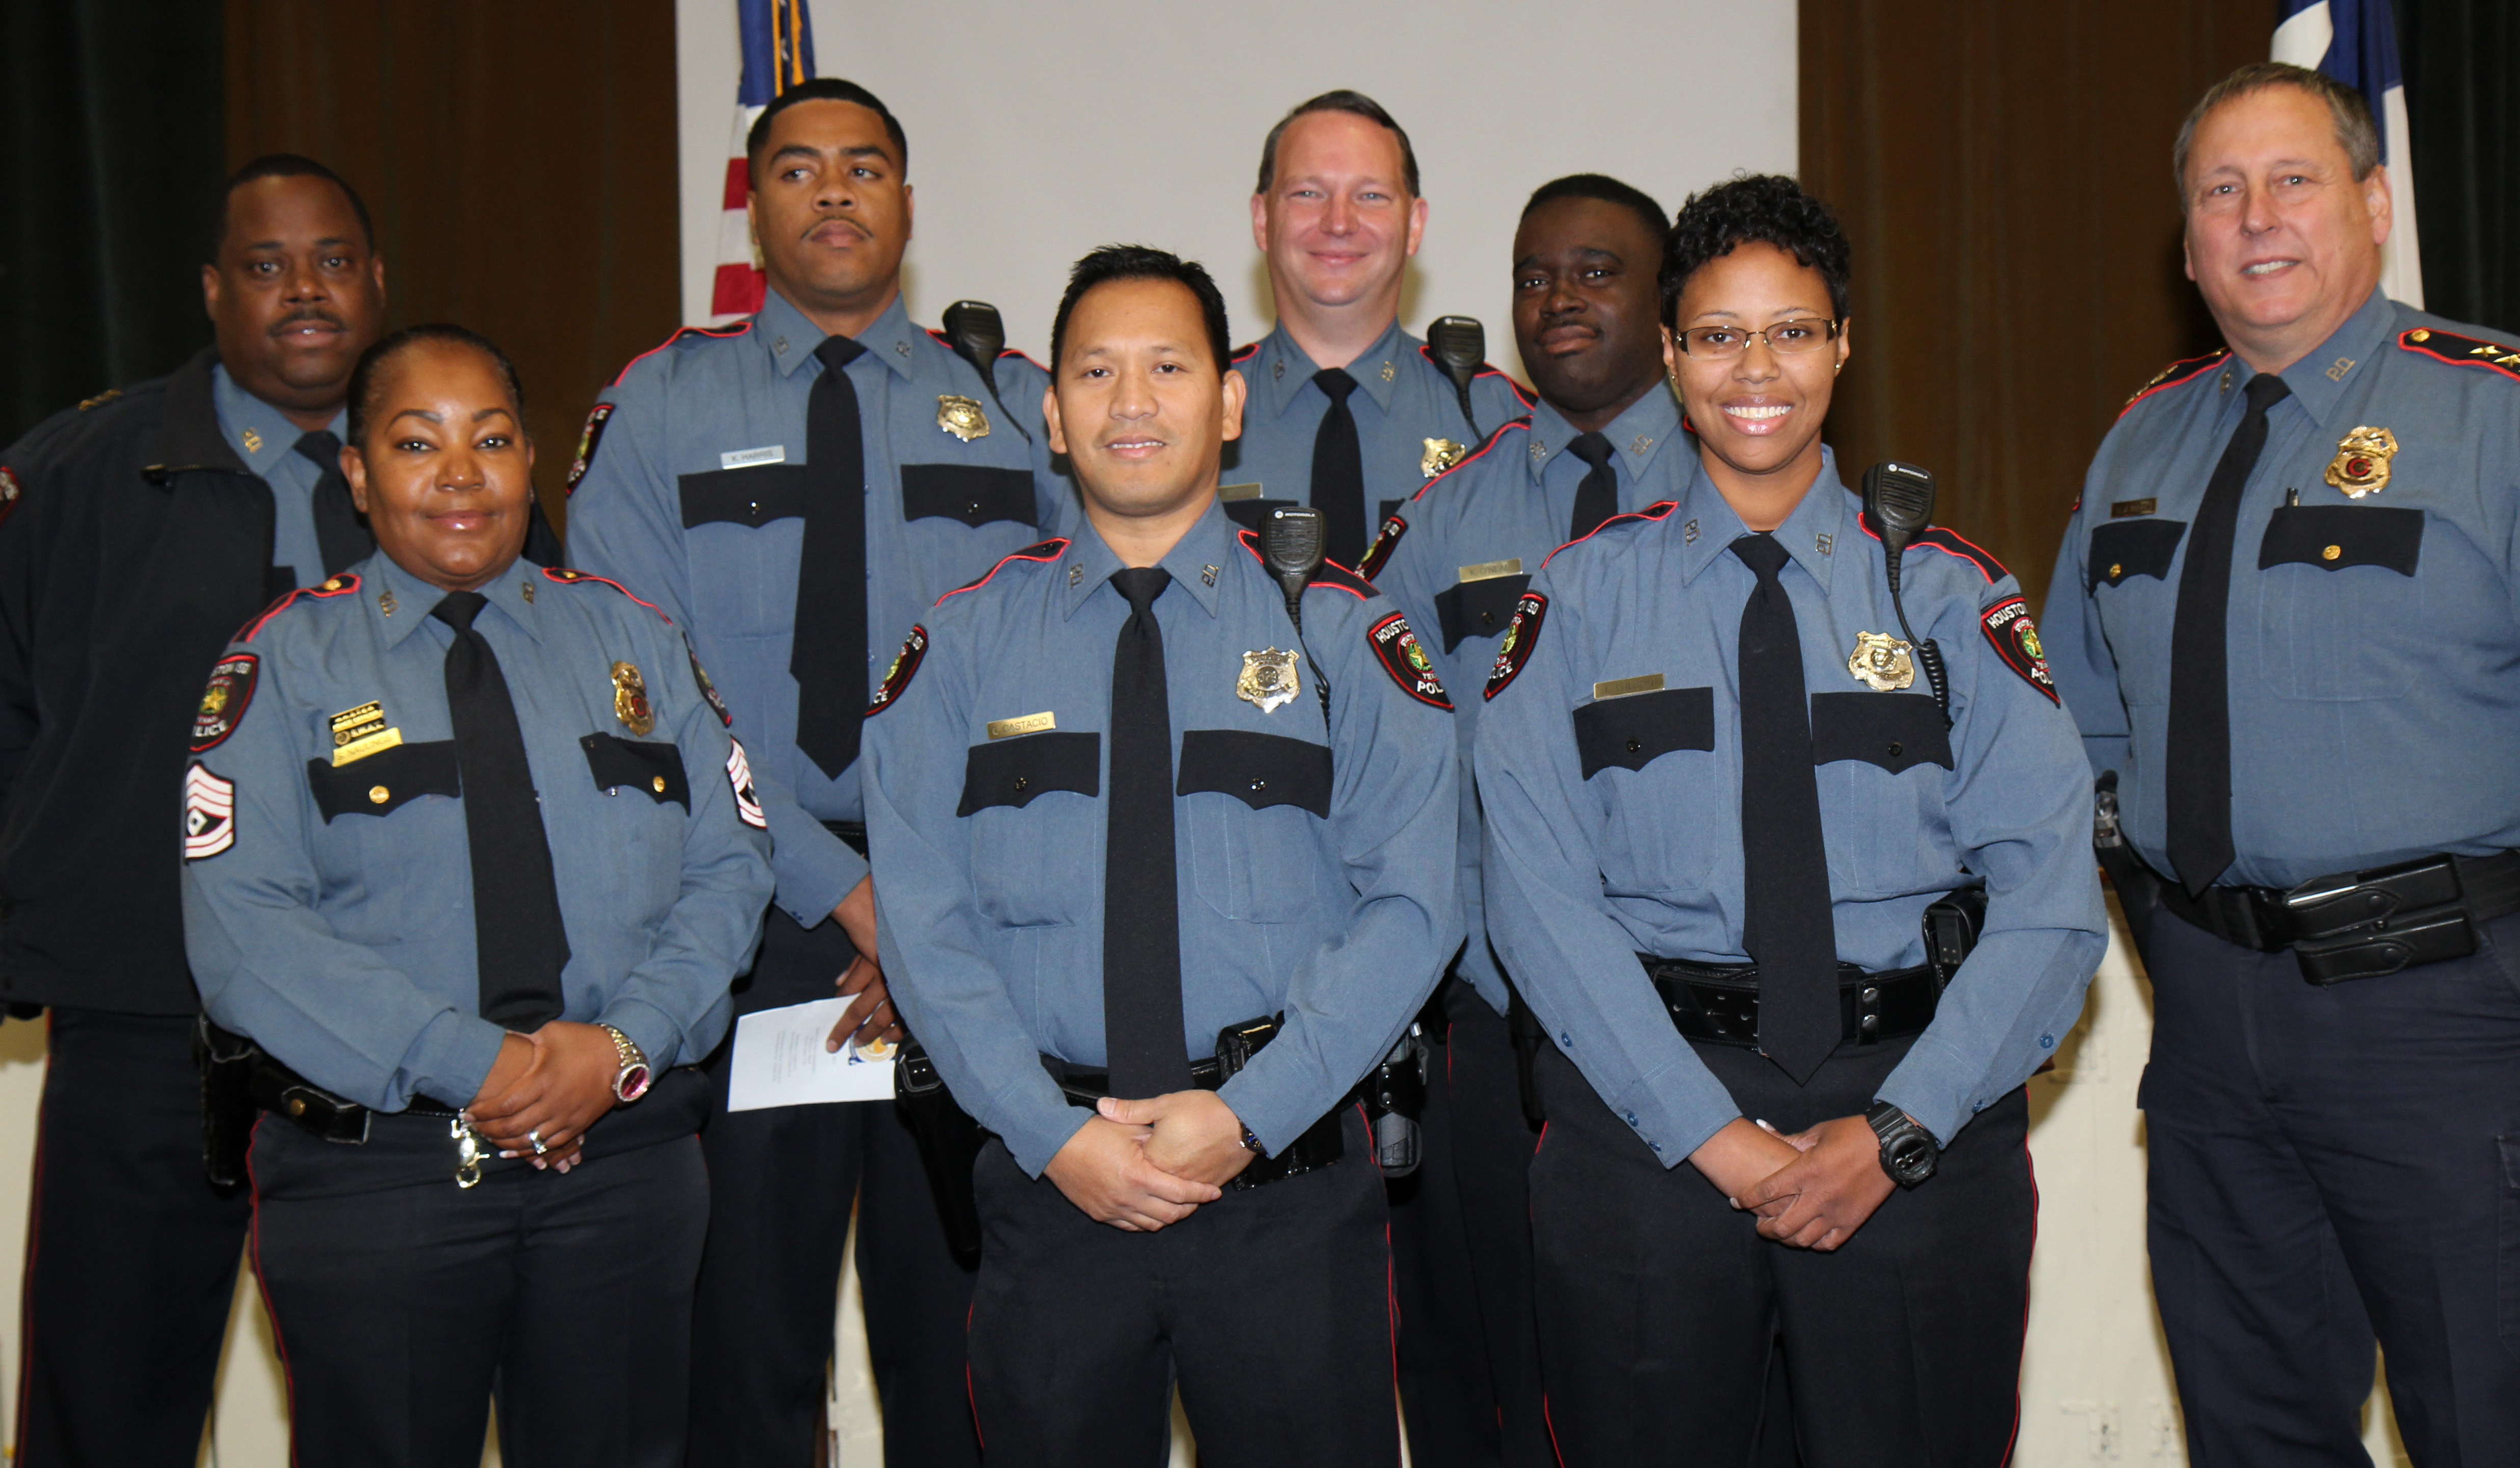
<point>1394,1095</point>
<point>949,1144</point>
<point>228,1107</point>
<point>2139,888</point>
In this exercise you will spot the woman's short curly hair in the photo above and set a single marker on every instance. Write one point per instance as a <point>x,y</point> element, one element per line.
<point>1767,207</point>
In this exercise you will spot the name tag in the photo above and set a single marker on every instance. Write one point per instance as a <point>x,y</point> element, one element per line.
<point>775,453</point>
<point>1489,570</point>
<point>1237,491</point>
<point>1621,687</point>
<point>2126,509</point>
<point>1000,729</point>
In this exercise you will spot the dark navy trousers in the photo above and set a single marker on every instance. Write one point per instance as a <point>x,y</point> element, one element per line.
<point>2331,1166</point>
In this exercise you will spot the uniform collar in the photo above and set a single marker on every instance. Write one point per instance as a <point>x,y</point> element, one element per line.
<point>261,435</point>
<point>189,435</point>
<point>2319,379</point>
<point>1639,433</point>
<point>382,577</point>
<point>1205,554</point>
<point>1820,521</point>
<point>789,337</point>
<point>1376,369</point>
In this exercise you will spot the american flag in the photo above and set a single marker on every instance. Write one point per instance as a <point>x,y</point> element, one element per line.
<point>2356,41</point>
<point>778,53</point>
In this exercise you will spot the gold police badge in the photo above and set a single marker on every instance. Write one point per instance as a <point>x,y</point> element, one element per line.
<point>1882,662</point>
<point>961,417</point>
<point>1441,454</point>
<point>2361,463</point>
<point>630,699</point>
<point>1269,678</point>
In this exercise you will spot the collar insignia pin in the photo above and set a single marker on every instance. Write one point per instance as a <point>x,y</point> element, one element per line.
<point>385,601</point>
<point>1207,575</point>
<point>253,441</point>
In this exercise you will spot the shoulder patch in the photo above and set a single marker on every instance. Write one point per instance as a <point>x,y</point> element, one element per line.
<point>1396,647</point>
<point>1521,635</point>
<point>739,776</point>
<point>708,689</point>
<point>224,701</point>
<point>1653,511</point>
<point>209,813</point>
<point>2015,638</point>
<point>592,436</point>
<point>2174,374</point>
<point>566,576</point>
<point>346,584</point>
<point>2460,351</point>
<point>905,666</point>
<point>683,335</point>
<point>1045,551</point>
<point>1376,556</point>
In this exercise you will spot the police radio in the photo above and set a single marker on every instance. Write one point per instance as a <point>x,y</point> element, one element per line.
<point>1459,345</point>
<point>1899,501</point>
<point>977,333</point>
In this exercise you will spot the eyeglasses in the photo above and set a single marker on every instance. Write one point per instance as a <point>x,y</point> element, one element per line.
<point>1804,333</point>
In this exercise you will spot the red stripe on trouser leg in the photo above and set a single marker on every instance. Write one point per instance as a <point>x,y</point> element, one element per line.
<point>34,1231</point>
<point>262,1286</point>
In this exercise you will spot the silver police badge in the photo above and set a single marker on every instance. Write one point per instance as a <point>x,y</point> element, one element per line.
<point>1882,662</point>
<point>1269,678</point>
<point>961,417</point>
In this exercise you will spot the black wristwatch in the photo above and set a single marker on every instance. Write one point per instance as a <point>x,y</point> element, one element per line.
<point>1908,1151</point>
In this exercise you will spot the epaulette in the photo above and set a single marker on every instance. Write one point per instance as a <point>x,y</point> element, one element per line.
<point>1950,542</point>
<point>346,584</point>
<point>1486,370</point>
<point>1243,352</point>
<point>107,396</point>
<point>1004,352</point>
<point>676,340</point>
<point>2460,351</point>
<point>1473,456</point>
<point>1044,553</point>
<point>1653,511</point>
<point>1328,573</point>
<point>568,576</point>
<point>2174,374</point>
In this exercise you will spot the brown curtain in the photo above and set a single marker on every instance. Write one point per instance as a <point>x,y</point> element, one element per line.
<point>519,161</point>
<point>2003,171</point>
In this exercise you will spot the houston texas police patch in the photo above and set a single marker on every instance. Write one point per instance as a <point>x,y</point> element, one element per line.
<point>586,442</point>
<point>1521,635</point>
<point>905,666</point>
<point>2015,638</point>
<point>209,813</point>
<point>224,701</point>
<point>739,773</point>
<point>1379,555</point>
<point>1396,647</point>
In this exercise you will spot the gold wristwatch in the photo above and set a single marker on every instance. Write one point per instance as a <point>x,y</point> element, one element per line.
<point>630,1083</point>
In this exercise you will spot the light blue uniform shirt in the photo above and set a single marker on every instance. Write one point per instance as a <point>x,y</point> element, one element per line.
<point>1408,423</point>
<point>1461,553</point>
<point>687,496</point>
<point>2374,650</point>
<point>1644,854</point>
<point>267,442</point>
<point>1314,856</point>
<point>328,909</point>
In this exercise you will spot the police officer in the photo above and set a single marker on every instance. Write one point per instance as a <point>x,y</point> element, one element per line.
<point>136,533</point>
<point>2283,619</point>
<point>470,859</point>
<point>1713,745</point>
<point>1346,411</point>
<point>708,478</point>
<point>1164,874</point>
<point>1603,439</point>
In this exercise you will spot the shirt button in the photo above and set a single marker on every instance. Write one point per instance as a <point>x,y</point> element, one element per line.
<point>1022,784</point>
<point>378,795</point>
<point>1895,748</point>
<point>1259,786</point>
<point>2331,553</point>
<point>1566,1040</point>
<point>1634,744</point>
<point>1629,1117</point>
<point>2047,1042</point>
<point>659,784</point>
<point>2116,571</point>
<point>1657,1146</point>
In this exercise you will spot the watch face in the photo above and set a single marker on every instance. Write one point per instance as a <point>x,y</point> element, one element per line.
<point>631,1084</point>
<point>1912,1157</point>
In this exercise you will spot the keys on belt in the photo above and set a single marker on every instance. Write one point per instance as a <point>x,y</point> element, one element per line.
<point>2363,924</point>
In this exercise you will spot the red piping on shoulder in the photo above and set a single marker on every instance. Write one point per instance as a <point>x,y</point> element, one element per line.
<point>1474,456</point>
<point>1940,538</point>
<point>1242,353</point>
<point>736,329</point>
<point>1252,542</point>
<point>2174,376</point>
<point>348,586</point>
<point>1055,547</point>
<point>568,576</point>
<point>1653,511</point>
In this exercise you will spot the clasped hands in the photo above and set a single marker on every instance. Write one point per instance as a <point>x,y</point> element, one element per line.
<point>1141,1165</point>
<point>543,1090</point>
<point>1810,1190</point>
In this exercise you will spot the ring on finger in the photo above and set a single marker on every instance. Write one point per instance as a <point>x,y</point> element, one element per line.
<point>540,1147</point>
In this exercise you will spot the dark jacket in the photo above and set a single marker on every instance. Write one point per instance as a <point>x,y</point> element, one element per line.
<point>135,545</point>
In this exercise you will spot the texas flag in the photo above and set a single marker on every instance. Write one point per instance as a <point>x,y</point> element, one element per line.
<point>778,53</point>
<point>2356,41</point>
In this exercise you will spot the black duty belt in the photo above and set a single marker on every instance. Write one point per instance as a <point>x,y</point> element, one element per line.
<point>278,1089</point>
<point>1320,1144</point>
<point>851,832</point>
<point>1718,1003</point>
<point>2361,924</point>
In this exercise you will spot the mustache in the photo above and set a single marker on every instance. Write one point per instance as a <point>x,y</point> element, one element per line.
<point>308,313</point>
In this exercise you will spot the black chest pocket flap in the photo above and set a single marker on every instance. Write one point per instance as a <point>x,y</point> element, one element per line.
<point>652,769</point>
<point>385,782</point>
<point>1634,732</point>
<point>1260,770</point>
<point>753,496</point>
<point>2122,548</point>
<point>1012,772</point>
<point>1479,608</point>
<point>2333,537</point>
<point>1895,730</point>
<point>973,493</point>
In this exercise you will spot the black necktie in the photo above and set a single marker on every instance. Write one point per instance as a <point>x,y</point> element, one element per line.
<point>2198,780</point>
<point>1786,926</point>
<point>1596,499</point>
<point>1338,471</point>
<point>339,536</point>
<point>829,653</point>
<point>1142,996</point>
<point>517,925</point>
